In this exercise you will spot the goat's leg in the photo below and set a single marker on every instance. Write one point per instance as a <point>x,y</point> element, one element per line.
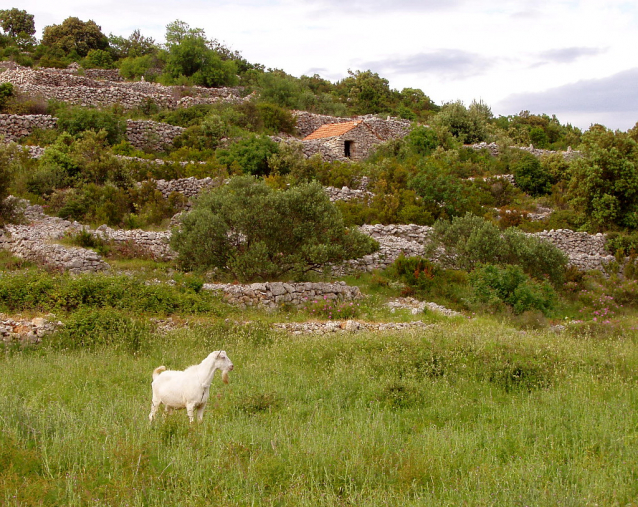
<point>200,412</point>
<point>190,408</point>
<point>154,406</point>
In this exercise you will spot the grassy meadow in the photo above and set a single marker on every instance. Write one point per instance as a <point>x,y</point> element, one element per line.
<point>467,412</point>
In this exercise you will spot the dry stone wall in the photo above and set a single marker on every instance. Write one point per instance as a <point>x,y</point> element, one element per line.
<point>537,152</point>
<point>14,126</point>
<point>86,91</point>
<point>274,294</point>
<point>151,135</point>
<point>34,242</point>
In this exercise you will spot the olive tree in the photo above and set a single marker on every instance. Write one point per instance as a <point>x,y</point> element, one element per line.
<point>253,232</point>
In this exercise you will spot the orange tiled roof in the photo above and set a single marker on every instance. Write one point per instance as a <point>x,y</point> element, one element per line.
<point>332,130</point>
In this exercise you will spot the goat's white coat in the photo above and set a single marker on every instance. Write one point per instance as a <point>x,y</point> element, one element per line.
<point>188,389</point>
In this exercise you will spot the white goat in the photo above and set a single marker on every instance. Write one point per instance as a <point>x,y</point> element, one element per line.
<point>188,389</point>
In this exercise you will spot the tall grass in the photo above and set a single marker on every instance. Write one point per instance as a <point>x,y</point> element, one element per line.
<point>466,413</point>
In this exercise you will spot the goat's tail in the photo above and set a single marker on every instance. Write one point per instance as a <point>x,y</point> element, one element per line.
<point>157,371</point>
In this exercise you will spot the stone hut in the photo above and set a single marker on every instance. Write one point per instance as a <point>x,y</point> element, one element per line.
<point>338,141</point>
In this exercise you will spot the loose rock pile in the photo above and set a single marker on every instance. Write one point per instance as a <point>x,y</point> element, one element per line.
<point>348,326</point>
<point>274,294</point>
<point>415,306</point>
<point>25,331</point>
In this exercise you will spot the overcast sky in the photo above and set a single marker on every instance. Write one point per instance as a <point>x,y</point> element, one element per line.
<point>573,58</point>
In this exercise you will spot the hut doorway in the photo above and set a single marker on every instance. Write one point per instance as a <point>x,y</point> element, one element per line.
<point>347,148</point>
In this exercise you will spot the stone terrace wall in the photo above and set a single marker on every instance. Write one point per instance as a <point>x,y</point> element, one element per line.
<point>190,187</point>
<point>154,244</point>
<point>13,126</point>
<point>274,294</point>
<point>85,91</point>
<point>33,242</point>
<point>537,152</point>
<point>104,74</point>
<point>585,251</point>
<point>151,135</point>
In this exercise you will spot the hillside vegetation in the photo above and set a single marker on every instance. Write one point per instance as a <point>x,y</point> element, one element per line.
<point>523,392</point>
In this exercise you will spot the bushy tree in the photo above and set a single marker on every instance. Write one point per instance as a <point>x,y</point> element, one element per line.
<point>604,182</point>
<point>250,155</point>
<point>252,232</point>
<point>531,177</point>
<point>134,46</point>
<point>469,241</point>
<point>76,120</point>
<point>368,92</point>
<point>468,124</point>
<point>18,25</point>
<point>495,286</point>
<point>74,37</point>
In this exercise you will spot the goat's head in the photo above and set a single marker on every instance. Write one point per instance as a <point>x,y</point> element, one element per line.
<point>223,362</point>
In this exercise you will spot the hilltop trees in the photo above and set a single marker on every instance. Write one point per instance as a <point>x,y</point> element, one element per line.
<point>74,37</point>
<point>604,183</point>
<point>18,25</point>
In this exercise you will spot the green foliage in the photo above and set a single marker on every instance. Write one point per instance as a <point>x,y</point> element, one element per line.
<point>540,130</point>
<point>134,47</point>
<point>422,140</point>
<point>136,67</point>
<point>254,232</point>
<point>467,124</point>
<point>438,183</point>
<point>42,291</point>
<point>367,92</point>
<point>470,241</point>
<point>190,55</point>
<point>76,120</point>
<point>92,329</point>
<point>276,119</point>
<point>531,177</point>
<point>604,182</point>
<point>332,309</point>
<point>98,59</point>
<point>495,285</point>
<point>18,26</point>
<point>74,37</point>
<point>250,155</point>
<point>6,92</point>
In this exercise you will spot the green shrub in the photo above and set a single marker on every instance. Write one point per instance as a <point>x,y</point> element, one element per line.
<point>531,176</point>
<point>76,120</point>
<point>495,286</point>
<point>250,155</point>
<point>470,240</point>
<point>251,231</point>
<point>90,329</point>
<point>323,308</point>
<point>41,291</point>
